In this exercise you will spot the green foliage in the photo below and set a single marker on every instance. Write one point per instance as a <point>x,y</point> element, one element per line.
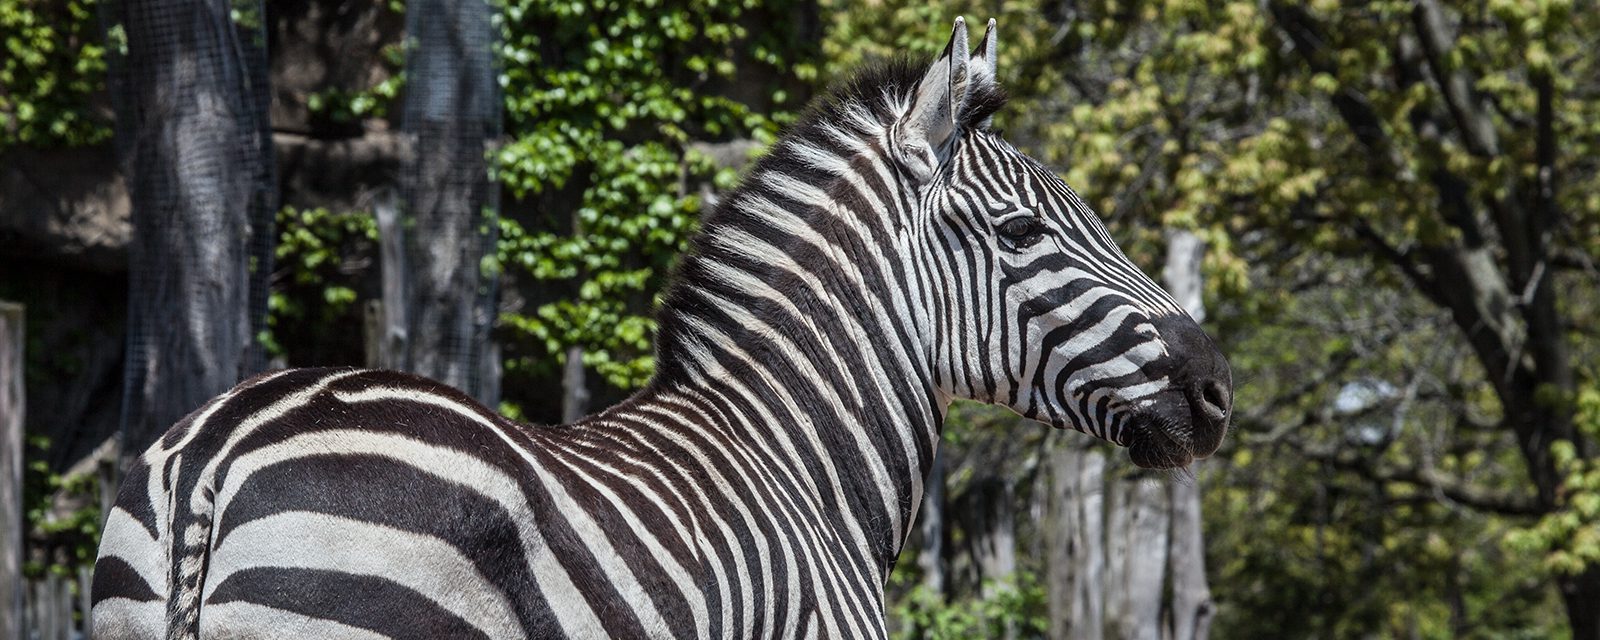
<point>1015,605</point>
<point>1201,119</point>
<point>52,67</point>
<point>318,255</point>
<point>1569,537</point>
<point>350,106</point>
<point>602,102</point>
<point>1348,557</point>
<point>68,537</point>
<point>1169,113</point>
<point>344,106</point>
<point>632,223</point>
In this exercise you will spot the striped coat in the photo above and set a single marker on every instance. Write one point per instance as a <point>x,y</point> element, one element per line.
<point>629,524</point>
<point>890,255</point>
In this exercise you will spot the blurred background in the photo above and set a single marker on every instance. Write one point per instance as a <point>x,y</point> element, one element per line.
<point>1391,210</point>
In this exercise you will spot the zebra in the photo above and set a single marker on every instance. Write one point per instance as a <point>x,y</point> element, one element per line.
<point>891,253</point>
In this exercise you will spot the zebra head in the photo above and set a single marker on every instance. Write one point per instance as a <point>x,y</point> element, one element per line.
<point>1035,307</point>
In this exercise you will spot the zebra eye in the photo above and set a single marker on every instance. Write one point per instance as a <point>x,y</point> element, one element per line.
<point>1022,232</point>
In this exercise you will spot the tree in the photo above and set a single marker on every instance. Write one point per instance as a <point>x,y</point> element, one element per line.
<point>1485,145</point>
<point>1397,200</point>
<point>1125,552</point>
<point>1397,197</point>
<point>1435,158</point>
<point>190,88</point>
<point>452,113</point>
<point>1191,607</point>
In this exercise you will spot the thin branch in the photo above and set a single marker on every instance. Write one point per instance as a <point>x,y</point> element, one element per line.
<point>1462,492</point>
<point>1424,282</point>
<point>1451,489</point>
<point>1477,129</point>
<point>1256,419</point>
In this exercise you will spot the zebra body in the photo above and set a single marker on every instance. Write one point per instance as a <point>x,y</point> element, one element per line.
<point>890,254</point>
<point>631,524</point>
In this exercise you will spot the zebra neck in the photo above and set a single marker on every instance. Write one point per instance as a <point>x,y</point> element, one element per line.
<point>802,364</point>
<point>793,315</point>
<point>833,445</point>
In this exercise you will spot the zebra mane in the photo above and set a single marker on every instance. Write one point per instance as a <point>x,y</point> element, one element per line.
<point>850,114</point>
<point>883,84</point>
<point>860,105</point>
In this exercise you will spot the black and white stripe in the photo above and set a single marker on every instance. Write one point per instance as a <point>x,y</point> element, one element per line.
<point>890,254</point>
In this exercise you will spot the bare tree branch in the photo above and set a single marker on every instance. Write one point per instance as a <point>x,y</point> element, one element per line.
<point>1476,127</point>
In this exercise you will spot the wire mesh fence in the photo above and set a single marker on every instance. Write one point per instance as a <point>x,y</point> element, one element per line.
<point>188,79</point>
<point>452,116</point>
<point>189,82</point>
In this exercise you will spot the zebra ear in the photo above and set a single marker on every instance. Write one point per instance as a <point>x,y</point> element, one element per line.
<point>984,65</point>
<point>926,128</point>
<point>985,58</point>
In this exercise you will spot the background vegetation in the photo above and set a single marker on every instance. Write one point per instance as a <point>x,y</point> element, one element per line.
<point>1400,201</point>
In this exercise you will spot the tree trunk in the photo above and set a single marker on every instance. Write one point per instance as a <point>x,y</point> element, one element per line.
<point>1151,512</point>
<point>575,388</point>
<point>1115,570</point>
<point>196,149</point>
<point>994,537</point>
<point>1136,556</point>
<point>930,559</point>
<point>1581,594</point>
<point>1191,596</point>
<point>1096,572</point>
<point>451,115</point>
<point>1062,552</point>
<point>390,338</point>
<point>1115,582</point>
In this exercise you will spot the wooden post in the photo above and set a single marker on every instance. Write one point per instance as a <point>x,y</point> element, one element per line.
<point>391,353</point>
<point>85,602</point>
<point>372,332</point>
<point>575,396</point>
<point>11,514</point>
<point>1115,532</point>
<point>1145,560</point>
<point>1065,556</point>
<point>61,604</point>
<point>1127,557</point>
<point>1094,491</point>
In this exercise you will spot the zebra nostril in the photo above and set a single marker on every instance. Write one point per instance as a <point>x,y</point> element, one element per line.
<point>1214,400</point>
